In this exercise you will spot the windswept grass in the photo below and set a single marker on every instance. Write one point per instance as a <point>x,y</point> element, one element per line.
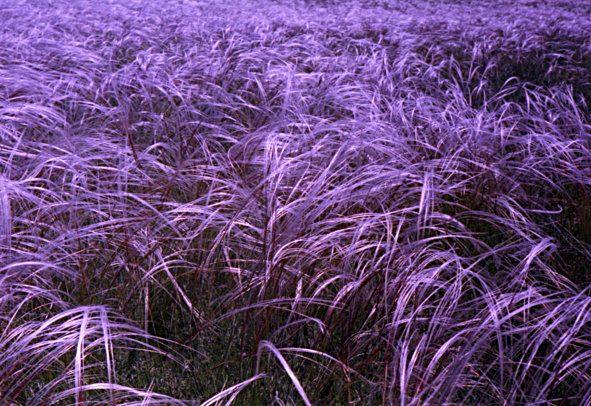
<point>311,202</point>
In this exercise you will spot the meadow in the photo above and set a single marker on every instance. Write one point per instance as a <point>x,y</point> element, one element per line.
<point>295,202</point>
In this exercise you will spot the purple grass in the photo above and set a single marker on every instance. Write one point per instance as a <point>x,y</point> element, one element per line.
<point>295,202</point>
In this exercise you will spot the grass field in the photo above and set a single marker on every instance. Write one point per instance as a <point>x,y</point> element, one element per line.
<point>295,202</point>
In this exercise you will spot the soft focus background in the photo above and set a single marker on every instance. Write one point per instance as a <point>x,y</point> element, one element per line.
<point>295,202</point>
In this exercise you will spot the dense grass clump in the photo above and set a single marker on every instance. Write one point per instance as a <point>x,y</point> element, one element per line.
<point>277,202</point>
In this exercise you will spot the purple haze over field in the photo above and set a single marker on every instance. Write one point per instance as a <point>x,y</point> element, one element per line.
<point>295,202</point>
